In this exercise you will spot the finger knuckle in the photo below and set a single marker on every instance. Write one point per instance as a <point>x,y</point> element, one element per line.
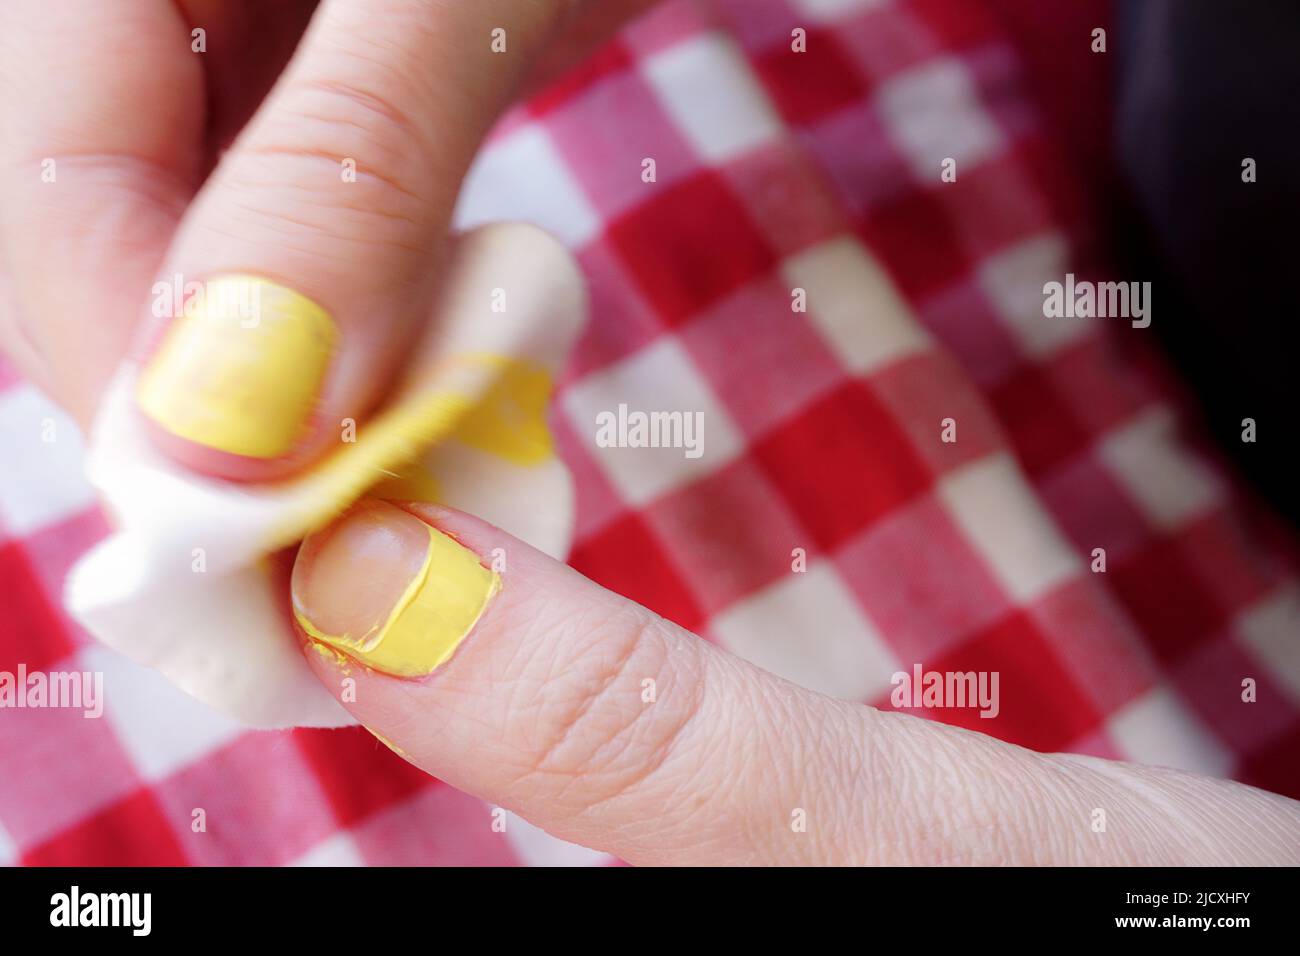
<point>618,713</point>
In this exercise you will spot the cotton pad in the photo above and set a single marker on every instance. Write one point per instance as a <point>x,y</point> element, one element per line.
<point>184,583</point>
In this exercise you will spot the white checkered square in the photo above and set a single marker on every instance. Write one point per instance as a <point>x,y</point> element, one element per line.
<point>830,11</point>
<point>8,851</point>
<point>1170,485</point>
<point>41,462</point>
<point>709,91</point>
<point>338,850</point>
<point>1014,279</point>
<point>1000,514</point>
<point>807,628</point>
<point>535,847</point>
<point>160,727</point>
<point>933,113</point>
<point>1271,630</point>
<point>854,306</point>
<point>659,378</point>
<point>1156,729</point>
<point>522,177</point>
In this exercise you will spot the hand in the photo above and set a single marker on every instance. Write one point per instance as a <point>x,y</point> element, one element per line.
<point>610,727</point>
<point>129,157</point>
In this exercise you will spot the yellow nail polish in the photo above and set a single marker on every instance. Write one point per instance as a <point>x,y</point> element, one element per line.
<point>438,609</point>
<point>241,371</point>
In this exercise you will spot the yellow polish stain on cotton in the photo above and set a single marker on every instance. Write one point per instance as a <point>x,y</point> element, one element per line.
<point>487,401</point>
<point>242,371</point>
<point>437,611</point>
<point>509,421</point>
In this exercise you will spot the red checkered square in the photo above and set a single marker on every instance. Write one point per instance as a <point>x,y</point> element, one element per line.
<point>610,60</point>
<point>991,206</point>
<point>132,832</point>
<point>439,826</point>
<point>597,502</point>
<point>1091,634</point>
<point>626,558</point>
<point>71,766</point>
<point>920,582</point>
<point>999,79</point>
<point>1040,423</point>
<point>886,40</point>
<point>854,151</point>
<point>53,550</point>
<point>1042,160</point>
<point>915,239</point>
<point>1101,380</point>
<point>715,249</point>
<point>359,775</point>
<point>1219,548</point>
<point>956,24</point>
<point>923,390</point>
<point>762,379</point>
<point>1093,509</point>
<point>262,804</point>
<point>1275,767</point>
<point>1168,599</point>
<point>604,135</point>
<point>1210,683</point>
<point>32,630</point>
<point>782,192</point>
<point>759,25</point>
<point>1041,705</point>
<point>876,468</point>
<point>734,525</point>
<point>960,316</point>
<point>809,85</point>
<point>667,24</point>
<point>622,321</point>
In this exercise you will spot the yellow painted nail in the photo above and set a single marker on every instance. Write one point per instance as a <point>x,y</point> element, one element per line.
<point>389,590</point>
<point>242,370</point>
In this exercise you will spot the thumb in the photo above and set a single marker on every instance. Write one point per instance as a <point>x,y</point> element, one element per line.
<point>306,263</point>
<point>531,687</point>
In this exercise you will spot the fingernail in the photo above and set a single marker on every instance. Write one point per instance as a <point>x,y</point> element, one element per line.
<point>389,590</point>
<point>241,371</point>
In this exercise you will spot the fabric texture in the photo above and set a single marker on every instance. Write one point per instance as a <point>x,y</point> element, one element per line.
<point>775,172</point>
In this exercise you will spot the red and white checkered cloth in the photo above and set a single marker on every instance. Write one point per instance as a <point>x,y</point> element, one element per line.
<point>775,170</point>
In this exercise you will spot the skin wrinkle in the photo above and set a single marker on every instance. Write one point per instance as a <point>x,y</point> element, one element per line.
<point>327,227</point>
<point>1070,839</point>
<point>1129,805</point>
<point>711,736</point>
<point>885,782</point>
<point>367,176</point>
<point>442,46</point>
<point>372,105</point>
<point>954,766</point>
<point>1198,803</point>
<point>656,744</point>
<point>847,762</point>
<point>611,671</point>
<point>854,802</point>
<point>696,724</point>
<point>816,746</point>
